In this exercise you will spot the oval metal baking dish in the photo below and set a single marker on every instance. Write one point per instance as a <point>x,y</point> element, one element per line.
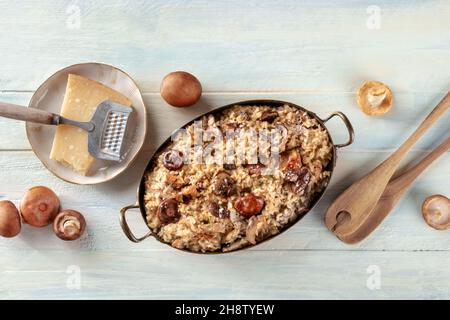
<point>272,103</point>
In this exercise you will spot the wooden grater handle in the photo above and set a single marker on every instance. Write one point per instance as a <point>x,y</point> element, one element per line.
<point>16,112</point>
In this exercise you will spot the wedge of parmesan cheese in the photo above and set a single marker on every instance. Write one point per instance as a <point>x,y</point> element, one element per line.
<point>70,145</point>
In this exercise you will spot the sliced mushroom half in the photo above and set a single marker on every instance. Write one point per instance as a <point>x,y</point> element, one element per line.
<point>436,212</point>
<point>374,98</point>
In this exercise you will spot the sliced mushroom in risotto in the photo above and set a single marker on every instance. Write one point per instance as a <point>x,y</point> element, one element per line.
<point>227,206</point>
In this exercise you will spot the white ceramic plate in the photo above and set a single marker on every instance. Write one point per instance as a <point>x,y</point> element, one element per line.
<point>49,96</point>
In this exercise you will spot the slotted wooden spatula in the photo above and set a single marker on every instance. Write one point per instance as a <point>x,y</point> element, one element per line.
<point>351,210</point>
<point>395,189</point>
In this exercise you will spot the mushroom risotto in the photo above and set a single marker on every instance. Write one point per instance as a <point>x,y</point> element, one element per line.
<point>236,177</point>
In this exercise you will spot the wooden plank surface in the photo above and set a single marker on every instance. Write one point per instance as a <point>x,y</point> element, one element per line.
<point>247,275</point>
<point>313,53</point>
<point>232,45</point>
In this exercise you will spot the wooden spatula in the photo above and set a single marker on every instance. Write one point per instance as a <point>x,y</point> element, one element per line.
<point>351,210</point>
<point>393,193</point>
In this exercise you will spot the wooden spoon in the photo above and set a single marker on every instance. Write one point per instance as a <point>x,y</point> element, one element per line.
<point>353,207</point>
<point>392,194</point>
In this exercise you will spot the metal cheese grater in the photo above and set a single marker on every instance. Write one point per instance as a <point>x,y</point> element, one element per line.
<point>107,143</point>
<point>106,130</point>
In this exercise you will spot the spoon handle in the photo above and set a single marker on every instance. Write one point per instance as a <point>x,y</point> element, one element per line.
<point>393,193</point>
<point>402,182</point>
<point>437,112</point>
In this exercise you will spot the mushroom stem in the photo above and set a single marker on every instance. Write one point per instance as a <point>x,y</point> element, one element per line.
<point>376,97</point>
<point>71,226</point>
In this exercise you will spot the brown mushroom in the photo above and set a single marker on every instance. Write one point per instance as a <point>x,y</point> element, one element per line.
<point>257,229</point>
<point>374,98</point>
<point>173,159</point>
<point>436,212</point>
<point>9,219</point>
<point>269,116</point>
<point>69,225</point>
<point>168,211</point>
<point>249,205</point>
<point>180,89</point>
<point>218,210</point>
<point>297,178</point>
<point>39,206</point>
<point>223,184</point>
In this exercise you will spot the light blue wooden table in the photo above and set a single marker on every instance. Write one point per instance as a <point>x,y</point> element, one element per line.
<point>314,53</point>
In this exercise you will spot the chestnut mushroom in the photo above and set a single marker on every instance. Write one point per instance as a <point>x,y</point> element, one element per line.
<point>223,184</point>
<point>219,211</point>
<point>173,159</point>
<point>39,206</point>
<point>69,225</point>
<point>269,116</point>
<point>436,212</point>
<point>180,89</point>
<point>298,179</point>
<point>9,219</point>
<point>257,229</point>
<point>168,211</point>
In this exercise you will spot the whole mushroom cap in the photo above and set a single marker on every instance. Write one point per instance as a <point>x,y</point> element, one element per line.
<point>39,206</point>
<point>180,89</point>
<point>10,224</point>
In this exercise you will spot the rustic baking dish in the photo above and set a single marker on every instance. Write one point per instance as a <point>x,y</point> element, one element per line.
<point>273,103</point>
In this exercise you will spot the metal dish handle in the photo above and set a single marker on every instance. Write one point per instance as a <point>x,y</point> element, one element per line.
<point>126,229</point>
<point>351,132</point>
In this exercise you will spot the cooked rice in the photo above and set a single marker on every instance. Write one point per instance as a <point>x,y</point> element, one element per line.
<point>200,231</point>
